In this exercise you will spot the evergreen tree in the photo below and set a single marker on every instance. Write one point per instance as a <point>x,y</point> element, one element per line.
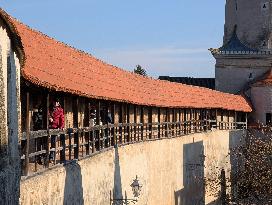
<point>139,70</point>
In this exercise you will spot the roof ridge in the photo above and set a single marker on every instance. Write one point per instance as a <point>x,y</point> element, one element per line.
<point>51,63</point>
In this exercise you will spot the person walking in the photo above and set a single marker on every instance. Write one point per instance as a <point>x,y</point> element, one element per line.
<point>56,121</point>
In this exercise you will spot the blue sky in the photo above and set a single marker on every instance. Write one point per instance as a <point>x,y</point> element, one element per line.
<point>166,37</point>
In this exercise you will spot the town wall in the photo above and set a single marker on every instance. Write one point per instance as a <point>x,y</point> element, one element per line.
<point>171,172</point>
<point>10,120</point>
<point>232,74</point>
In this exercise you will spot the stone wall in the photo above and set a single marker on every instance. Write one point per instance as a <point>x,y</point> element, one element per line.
<point>232,74</point>
<point>171,172</point>
<point>9,119</point>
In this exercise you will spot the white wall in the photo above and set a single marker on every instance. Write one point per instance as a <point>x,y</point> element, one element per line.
<point>9,119</point>
<point>261,98</point>
<point>170,170</point>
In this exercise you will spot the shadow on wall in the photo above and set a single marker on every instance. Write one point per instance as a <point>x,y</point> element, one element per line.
<point>236,140</point>
<point>193,192</point>
<point>117,190</point>
<point>73,191</point>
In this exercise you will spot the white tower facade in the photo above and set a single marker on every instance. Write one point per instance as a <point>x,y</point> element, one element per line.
<point>247,46</point>
<point>244,62</point>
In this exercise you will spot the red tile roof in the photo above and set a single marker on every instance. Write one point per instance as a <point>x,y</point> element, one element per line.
<point>54,65</point>
<point>264,80</point>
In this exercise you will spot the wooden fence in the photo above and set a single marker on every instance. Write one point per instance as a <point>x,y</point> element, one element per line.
<point>45,148</point>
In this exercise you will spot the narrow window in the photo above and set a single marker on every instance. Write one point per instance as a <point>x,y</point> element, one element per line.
<point>236,5</point>
<point>268,118</point>
<point>250,76</point>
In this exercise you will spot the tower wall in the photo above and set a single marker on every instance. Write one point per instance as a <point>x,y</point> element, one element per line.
<point>9,119</point>
<point>232,73</point>
<point>253,20</point>
<point>261,98</point>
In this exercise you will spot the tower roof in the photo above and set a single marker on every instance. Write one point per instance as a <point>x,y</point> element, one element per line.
<point>234,44</point>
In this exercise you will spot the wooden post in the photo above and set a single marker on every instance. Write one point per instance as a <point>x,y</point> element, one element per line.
<point>246,122</point>
<point>159,121</point>
<point>216,114</point>
<point>179,125</point>
<point>150,120</point>
<point>128,122</point>
<point>135,123</point>
<point>121,120</point>
<point>235,120</point>
<point>142,121</point>
<point>168,121</point>
<point>77,133</point>
<point>98,121</point>
<point>174,130</point>
<point>113,122</point>
<point>48,135</point>
<point>27,135</point>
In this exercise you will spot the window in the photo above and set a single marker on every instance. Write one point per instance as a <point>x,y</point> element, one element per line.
<point>268,118</point>
<point>250,76</point>
<point>265,6</point>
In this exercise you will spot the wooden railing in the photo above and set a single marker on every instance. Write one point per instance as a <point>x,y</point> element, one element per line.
<point>46,148</point>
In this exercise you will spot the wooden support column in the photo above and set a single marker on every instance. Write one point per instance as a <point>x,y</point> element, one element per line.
<point>98,122</point>
<point>114,127</point>
<point>121,120</point>
<point>150,120</point>
<point>235,120</point>
<point>174,128</point>
<point>167,122</point>
<point>48,135</point>
<point>179,124</point>
<point>246,122</point>
<point>159,121</point>
<point>129,137</point>
<point>135,122</point>
<point>216,114</point>
<point>142,121</point>
<point>77,134</point>
<point>27,136</point>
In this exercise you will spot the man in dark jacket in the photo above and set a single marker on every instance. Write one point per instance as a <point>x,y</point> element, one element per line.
<point>56,121</point>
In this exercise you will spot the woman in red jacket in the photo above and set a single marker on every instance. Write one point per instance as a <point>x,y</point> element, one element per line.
<point>56,116</point>
<point>56,121</point>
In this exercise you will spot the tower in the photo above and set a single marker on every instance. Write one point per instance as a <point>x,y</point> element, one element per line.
<point>246,53</point>
<point>253,20</point>
<point>244,62</point>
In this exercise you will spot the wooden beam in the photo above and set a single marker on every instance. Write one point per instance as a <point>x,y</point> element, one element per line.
<point>48,136</point>
<point>135,122</point>
<point>27,135</point>
<point>113,122</point>
<point>150,121</point>
<point>98,122</point>
<point>159,121</point>
<point>142,121</point>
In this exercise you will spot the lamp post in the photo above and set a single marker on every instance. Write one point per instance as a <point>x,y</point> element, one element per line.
<point>136,189</point>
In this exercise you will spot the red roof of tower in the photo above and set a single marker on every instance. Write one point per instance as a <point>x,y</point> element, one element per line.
<point>264,80</point>
<point>54,65</point>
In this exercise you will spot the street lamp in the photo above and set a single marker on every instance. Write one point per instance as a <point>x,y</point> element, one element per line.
<point>136,189</point>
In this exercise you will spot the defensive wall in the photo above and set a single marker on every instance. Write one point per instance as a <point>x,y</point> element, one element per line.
<point>170,170</point>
